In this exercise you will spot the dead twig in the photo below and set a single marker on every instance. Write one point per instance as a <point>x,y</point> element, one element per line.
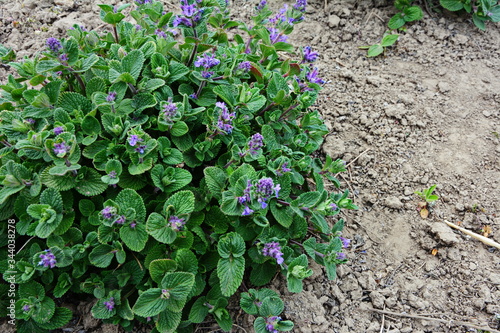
<point>448,322</point>
<point>483,239</point>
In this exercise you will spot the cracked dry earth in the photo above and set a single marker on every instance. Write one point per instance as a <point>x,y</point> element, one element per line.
<point>428,112</point>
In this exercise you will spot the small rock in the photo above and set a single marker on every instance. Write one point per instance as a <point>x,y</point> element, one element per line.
<point>377,299</point>
<point>460,207</point>
<point>444,87</point>
<point>333,21</point>
<point>64,3</point>
<point>460,39</point>
<point>334,147</point>
<point>393,202</point>
<point>444,233</point>
<point>486,113</point>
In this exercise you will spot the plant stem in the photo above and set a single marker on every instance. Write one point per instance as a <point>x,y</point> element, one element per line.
<point>195,49</point>
<point>79,79</point>
<point>287,111</point>
<point>266,108</point>
<point>116,34</point>
<point>134,91</point>
<point>284,203</point>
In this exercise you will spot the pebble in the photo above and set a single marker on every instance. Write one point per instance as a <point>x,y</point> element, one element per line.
<point>377,299</point>
<point>444,87</point>
<point>64,3</point>
<point>333,21</point>
<point>393,202</point>
<point>444,233</point>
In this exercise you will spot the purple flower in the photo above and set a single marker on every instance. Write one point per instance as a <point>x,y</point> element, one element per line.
<point>273,250</point>
<point>141,149</point>
<point>165,294</point>
<point>61,149</point>
<point>108,212</point>
<point>256,142</point>
<point>30,121</point>
<point>285,168</point>
<point>333,206</point>
<point>193,96</point>
<point>245,66</point>
<point>309,55</point>
<point>133,224</point>
<point>276,36</point>
<point>142,2</point>
<point>247,211</point>
<point>225,119</point>
<point>270,322</point>
<point>134,139</point>
<point>48,259</point>
<point>176,223</point>
<point>312,76</point>
<point>206,61</point>
<point>111,97</point>
<point>206,74</point>
<point>58,130</point>
<point>341,256</point>
<point>180,20</point>
<point>54,44</point>
<point>110,305</point>
<point>120,220</point>
<point>112,174</point>
<point>345,242</point>
<point>246,193</point>
<point>138,27</point>
<point>160,33</point>
<point>300,5</point>
<point>26,308</point>
<point>261,5</point>
<point>169,111</point>
<point>189,10</point>
<point>266,189</point>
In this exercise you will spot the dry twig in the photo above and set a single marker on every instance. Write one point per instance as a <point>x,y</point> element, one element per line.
<point>483,239</point>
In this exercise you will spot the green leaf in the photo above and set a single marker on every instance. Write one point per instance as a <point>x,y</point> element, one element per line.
<point>375,50</point>
<point>134,237</point>
<point>271,306</point>
<point>284,215</point>
<point>168,321</point>
<point>413,13</point>
<point>31,289</point>
<point>389,40</point>
<point>91,125</point>
<point>159,228</point>
<point>44,310</point>
<point>131,199</point>
<point>452,5</point>
<point>199,311</point>
<point>47,65</point>
<point>150,303</point>
<point>100,311</point>
<point>178,284</point>
<point>71,101</point>
<point>231,245</point>
<point>132,63</point>
<point>63,284</point>
<point>396,22</point>
<point>61,317</point>
<point>216,181</point>
<point>177,71</point>
<point>101,255</point>
<point>262,274</point>
<point>89,182</point>
<point>186,261</point>
<point>227,93</point>
<point>144,101</point>
<point>230,272</point>
<point>179,128</point>
<point>182,202</point>
<point>159,267</point>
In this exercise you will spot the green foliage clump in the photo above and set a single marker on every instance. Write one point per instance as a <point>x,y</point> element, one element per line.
<point>482,10</point>
<point>159,166</point>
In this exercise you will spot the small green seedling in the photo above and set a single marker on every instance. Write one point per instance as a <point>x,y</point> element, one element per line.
<point>377,49</point>
<point>407,13</point>
<point>430,200</point>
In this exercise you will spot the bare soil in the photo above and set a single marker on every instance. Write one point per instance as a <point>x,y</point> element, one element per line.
<point>427,112</point>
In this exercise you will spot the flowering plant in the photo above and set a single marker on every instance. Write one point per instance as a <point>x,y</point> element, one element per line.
<point>160,165</point>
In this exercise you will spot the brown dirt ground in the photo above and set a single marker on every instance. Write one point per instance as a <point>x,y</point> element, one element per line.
<point>428,112</point>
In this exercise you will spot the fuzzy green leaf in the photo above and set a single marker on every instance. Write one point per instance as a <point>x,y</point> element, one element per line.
<point>134,237</point>
<point>44,310</point>
<point>231,245</point>
<point>130,199</point>
<point>89,182</point>
<point>182,202</point>
<point>230,272</point>
<point>159,267</point>
<point>101,255</point>
<point>159,228</point>
<point>61,317</point>
<point>216,181</point>
<point>132,63</point>
<point>168,321</point>
<point>452,5</point>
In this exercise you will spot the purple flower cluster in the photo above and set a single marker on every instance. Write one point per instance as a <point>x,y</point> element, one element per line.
<point>58,130</point>
<point>246,198</point>
<point>176,223</point>
<point>112,174</point>
<point>261,5</point>
<point>265,189</point>
<point>312,76</point>
<point>270,322</point>
<point>142,2</point>
<point>309,55</point>
<point>48,259</point>
<point>206,61</point>
<point>26,308</point>
<point>169,111</point>
<point>30,121</point>
<point>160,33</point>
<point>63,57</point>
<point>191,14</point>
<point>256,143</point>
<point>108,212</point>
<point>276,36</point>
<point>300,5</point>
<point>341,256</point>
<point>245,66</point>
<point>134,139</point>
<point>120,220</point>
<point>54,44</point>
<point>61,148</point>
<point>283,169</point>
<point>110,305</point>
<point>141,149</point>
<point>225,119</point>
<point>111,97</point>
<point>273,250</point>
<point>333,206</point>
<point>345,242</point>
